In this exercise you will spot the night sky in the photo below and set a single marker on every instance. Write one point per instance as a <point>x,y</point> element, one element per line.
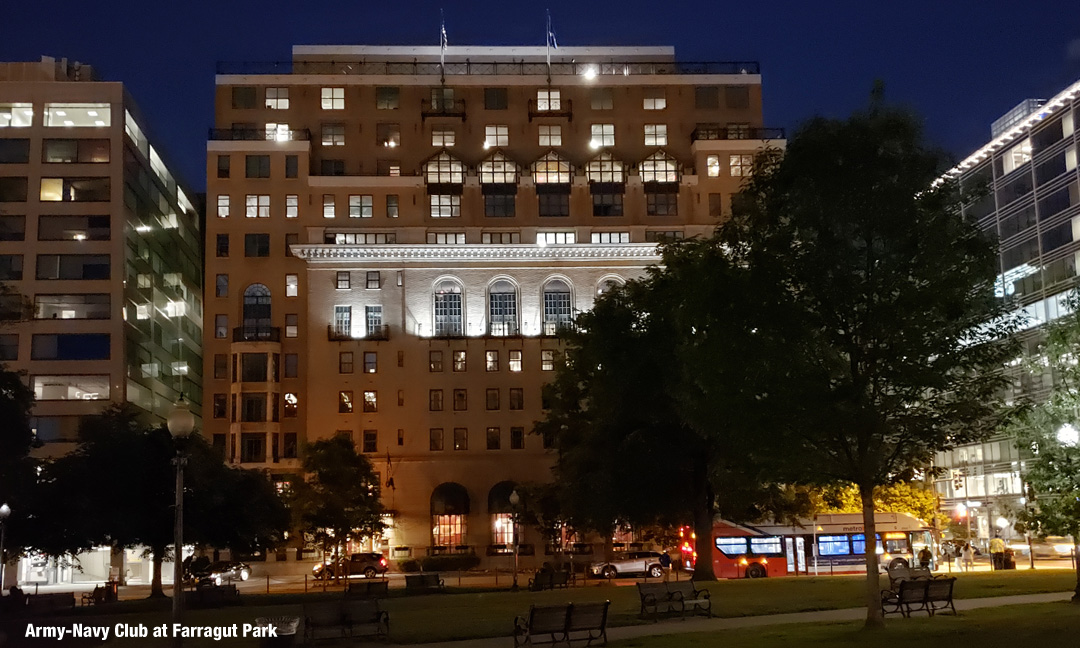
<point>959,63</point>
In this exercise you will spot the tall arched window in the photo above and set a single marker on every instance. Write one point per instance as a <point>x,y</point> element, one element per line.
<point>448,311</point>
<point>256,323</point>
<point>502,308</point>
<point>607,284</point>
<point>558,306</point>
<point>449,510</point>
<point>501,512</point>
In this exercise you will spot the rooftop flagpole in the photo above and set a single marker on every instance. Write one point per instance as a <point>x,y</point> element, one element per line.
<point>549,42</point>
<point>442,47</point>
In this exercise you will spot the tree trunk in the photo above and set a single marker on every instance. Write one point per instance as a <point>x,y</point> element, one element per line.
<point>873,579</point>
<point>704,512</point>
<point>156,590</point>
<point>117,561</point>
<point>1076,564</point>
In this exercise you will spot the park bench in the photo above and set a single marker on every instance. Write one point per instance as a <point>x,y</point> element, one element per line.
<point>670,598</point>
<point>552,624</point>
<point>345,618</point>
<point>48,603</point>
<point>208,595</point>
<point>928,595</point>
<point>97,597</point>
<point>548,579</point>
<point>901,573</point>
<point>423,582</point>
<point>368,588</point>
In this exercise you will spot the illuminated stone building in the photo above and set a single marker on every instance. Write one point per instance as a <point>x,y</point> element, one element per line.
<point>396,234</point>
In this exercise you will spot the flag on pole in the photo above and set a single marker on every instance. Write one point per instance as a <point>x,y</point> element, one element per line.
<point>442,39</point>
<point>549,41</point>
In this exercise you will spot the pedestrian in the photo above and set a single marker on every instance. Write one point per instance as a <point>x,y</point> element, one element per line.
<point>958,556</point>
<point>926,558</point>
<point>969,557</point>
<point>997,552</point>
<point>665,563</point>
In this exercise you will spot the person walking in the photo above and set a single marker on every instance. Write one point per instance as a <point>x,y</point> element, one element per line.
<point>969,556</point>
<point>665,563</point>
<point>997,552</point>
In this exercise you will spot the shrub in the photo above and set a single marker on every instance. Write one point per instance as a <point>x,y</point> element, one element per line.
<point>449,563</point>
<point>409,566</point>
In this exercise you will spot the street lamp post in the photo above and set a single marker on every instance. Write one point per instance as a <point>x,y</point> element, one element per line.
<point>181,422</point>
<point>5,511</point>
<point>515,500</point>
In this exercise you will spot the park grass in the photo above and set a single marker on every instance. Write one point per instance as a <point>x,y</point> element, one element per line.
<point>474,614</point>
<point>1044,624</point>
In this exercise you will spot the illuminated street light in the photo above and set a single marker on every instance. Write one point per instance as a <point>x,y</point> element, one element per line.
<point>1067,435</point>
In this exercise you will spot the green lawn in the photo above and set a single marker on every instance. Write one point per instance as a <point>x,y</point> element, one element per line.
<point>471,614</point>
<point>1048,624</point>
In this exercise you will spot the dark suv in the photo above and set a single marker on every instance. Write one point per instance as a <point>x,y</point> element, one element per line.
<point>368,565</point>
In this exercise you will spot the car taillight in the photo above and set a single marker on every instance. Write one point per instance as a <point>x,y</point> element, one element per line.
<point>382,561</point>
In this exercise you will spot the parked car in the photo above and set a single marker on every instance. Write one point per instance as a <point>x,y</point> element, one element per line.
<point>221,572</point>
<point>368,565</point>
<point>1048,547</point>
<point>634,562</point>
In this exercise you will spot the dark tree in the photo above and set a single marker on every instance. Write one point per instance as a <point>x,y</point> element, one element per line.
<point>896,336</point>
<point>18,475</point>
<point>339,497</point>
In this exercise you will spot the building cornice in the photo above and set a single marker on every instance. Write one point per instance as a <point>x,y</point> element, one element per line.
<point>642,252</point>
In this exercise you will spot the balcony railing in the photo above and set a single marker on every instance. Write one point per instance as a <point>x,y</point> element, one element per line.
<point>503,329</point>
<point>551,329</point>
<point>442,108</point>
<point>724,133</point>
<point>259,135</point>
<point>500,68</point>
<point>256,334</point>
<point>334,334</point>
<point>557,108</point>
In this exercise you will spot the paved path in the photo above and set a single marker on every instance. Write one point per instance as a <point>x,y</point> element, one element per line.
<point>699,624</point>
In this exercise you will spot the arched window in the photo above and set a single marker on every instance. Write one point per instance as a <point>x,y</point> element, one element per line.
<point>607,284</point>
<point>498,181</point>
<point>558,306</point>
<point>502,308</point>
<point>256,322</point>
<point>659,167</point>
<point>606,184</point>
<point>551,174</point>
<point>448,311</point>
<point>501,511</point>
<point>449,511</point>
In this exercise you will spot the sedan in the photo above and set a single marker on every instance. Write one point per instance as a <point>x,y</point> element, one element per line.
<point>635,562</point>
<point>223,571</point>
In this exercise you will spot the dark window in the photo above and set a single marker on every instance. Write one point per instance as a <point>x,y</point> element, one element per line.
<point>435,439</point>
<point>12,228</point>
<point>257,166</point>
<point>289,446</point>
<point>332,167</point>
<point>495,99</point>
<point>292,166</point>
<point>70,346</point>
<point>343,280</point>
<point>253,367</point>
<point>435,400</point>
<point>716,204</point>
<point>737,96</point>
<point>662,204</point>
<point>253,408</point>
<point>9,346</point>
<point>492,398</point>
<point>15,151</point>
<point>72,266</point>
<point>11,267</point>
<point>256,245</point>
<point>243,97</point>
<point>221,286</point>
<point>371,362</point>
<point>221,366</point>
<point>223,166</point>
<point>517,398</point>
<point>517,438</point>
<point>607,204</point>
<point>499,205</point>
<point>461,400</point>
<point>387,98</point>
<point>392,206</point>
<point>371,441</point>
<point>494,438</point>
<point>373,280</point>
<point>220,406</point>
<point>223,245</point>
<point>13,189</point>
<point>74,228</point>
<point>290,240</point>
<point>554,204</point>
<point>292,365</point>
<point>387,135</point>
<point>434,361</point>
<point>706,97</point>
<point>461,438</point>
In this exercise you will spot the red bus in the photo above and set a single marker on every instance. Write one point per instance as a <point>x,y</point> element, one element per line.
<point>827,544</point>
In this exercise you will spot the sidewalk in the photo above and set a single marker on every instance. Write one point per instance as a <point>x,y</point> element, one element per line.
<point>715,625</point>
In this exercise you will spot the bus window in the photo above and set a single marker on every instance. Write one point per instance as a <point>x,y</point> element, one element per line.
<point>858,543</point>
<point>833,545</point>
<point>766,546</point>
<point>896,542</point>
<point>731,546</point>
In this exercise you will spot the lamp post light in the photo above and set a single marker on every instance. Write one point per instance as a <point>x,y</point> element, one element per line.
<point>515,500</point>
<point>181,422</point>
<point>5,511</point>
